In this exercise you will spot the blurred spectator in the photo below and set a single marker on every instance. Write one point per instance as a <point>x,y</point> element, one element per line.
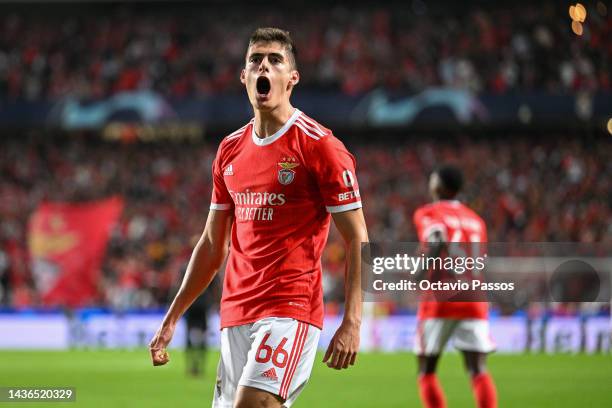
<point>550,189</point>
<point>186,50</point>
<point>4,269</point>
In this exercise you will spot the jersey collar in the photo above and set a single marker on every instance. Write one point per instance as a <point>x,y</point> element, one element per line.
<point>451,202</point>
<point>280,132</point>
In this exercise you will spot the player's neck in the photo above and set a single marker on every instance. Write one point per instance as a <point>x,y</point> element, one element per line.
<point>446,200</point>
<point>269,122</point>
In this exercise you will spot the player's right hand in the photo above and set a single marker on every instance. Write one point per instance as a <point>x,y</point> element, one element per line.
<point>157,346</point>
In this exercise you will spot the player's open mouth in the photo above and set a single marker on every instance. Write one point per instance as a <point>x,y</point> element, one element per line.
<point>263,86</point>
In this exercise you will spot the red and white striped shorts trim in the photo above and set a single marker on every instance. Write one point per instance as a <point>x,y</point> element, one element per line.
<point>294,358</point>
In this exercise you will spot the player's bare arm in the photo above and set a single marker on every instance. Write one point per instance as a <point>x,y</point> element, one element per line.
<point>343,348</point>
<point>206,259</point>
<point>435,246</point>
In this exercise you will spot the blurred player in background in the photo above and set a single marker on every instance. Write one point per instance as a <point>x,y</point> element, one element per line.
<point>276,180</point>
<point>446,227</point>
<point>196,318</point>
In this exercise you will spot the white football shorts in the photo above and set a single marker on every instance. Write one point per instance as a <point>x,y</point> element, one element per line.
<point>274,354</point>
<point>468,335</point>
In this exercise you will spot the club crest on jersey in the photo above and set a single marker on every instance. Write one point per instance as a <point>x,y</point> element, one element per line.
<point>286,174</point>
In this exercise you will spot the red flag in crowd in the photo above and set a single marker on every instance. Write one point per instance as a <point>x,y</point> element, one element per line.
<point>67,243</point>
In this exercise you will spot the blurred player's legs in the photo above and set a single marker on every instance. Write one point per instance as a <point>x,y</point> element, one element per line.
<point>196,350</point>
<point>266,363</point>
<point>471,337</point>
<point>197,324</point>
<point>482,382</point>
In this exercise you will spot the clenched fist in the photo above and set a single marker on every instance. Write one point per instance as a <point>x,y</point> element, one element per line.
<point>158,345</point>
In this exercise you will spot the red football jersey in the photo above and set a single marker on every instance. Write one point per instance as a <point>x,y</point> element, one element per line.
<point>456,223</point>
<point>282,190</point>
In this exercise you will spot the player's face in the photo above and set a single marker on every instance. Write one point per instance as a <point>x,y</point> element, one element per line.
<point>269,75</point>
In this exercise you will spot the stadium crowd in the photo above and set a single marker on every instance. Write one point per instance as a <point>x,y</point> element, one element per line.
<point>94,52</point>
<point>550,189</point>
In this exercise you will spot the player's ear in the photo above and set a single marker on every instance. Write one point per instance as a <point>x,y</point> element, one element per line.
<point>243,76</point>
<point>294,79</point>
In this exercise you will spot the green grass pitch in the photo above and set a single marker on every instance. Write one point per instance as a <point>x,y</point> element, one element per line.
<point>126,379</point>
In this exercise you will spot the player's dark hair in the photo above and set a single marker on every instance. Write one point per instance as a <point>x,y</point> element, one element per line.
<point>272,34</point>
<point>451,179</point>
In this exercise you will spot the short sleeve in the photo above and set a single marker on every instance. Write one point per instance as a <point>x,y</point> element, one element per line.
<point>334,170</point>
<point>221,198</point>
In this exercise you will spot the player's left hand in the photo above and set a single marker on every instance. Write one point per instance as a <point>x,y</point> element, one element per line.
<point>343,347</point>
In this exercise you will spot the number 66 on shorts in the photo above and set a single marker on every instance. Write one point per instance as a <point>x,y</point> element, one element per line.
<point>273,354</point>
